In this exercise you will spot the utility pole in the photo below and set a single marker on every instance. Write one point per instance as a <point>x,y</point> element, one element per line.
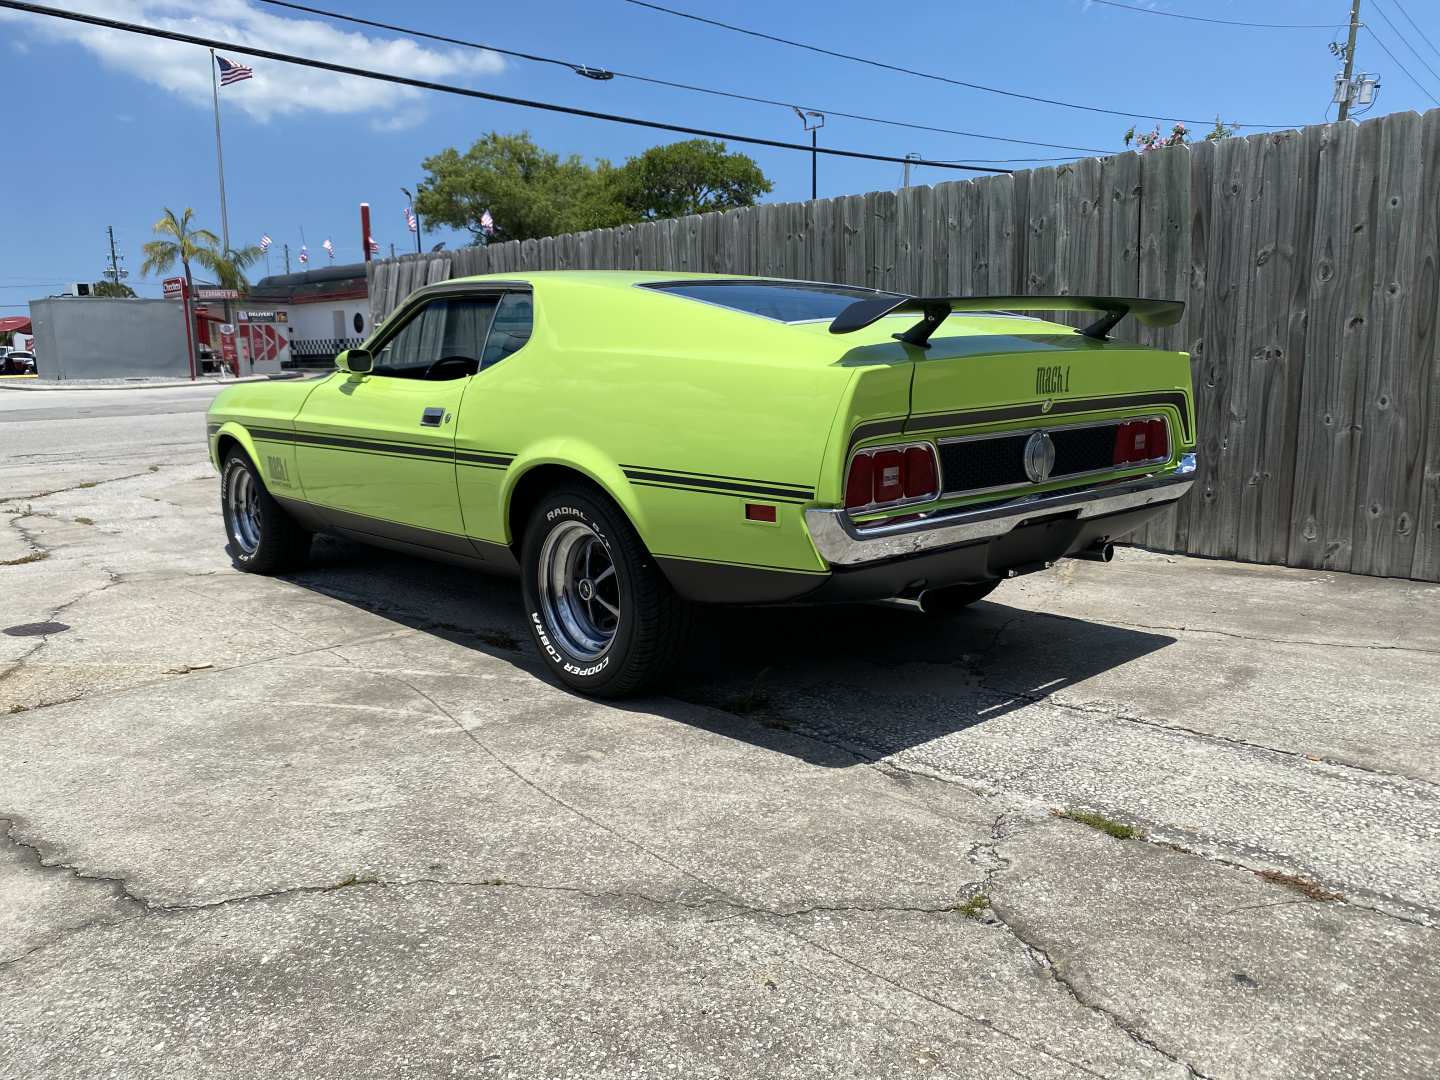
<point>812,121</point>
<point>114,273</point>
<point>1350,59</point>
<point>287,257</point>
<point>908,158</point>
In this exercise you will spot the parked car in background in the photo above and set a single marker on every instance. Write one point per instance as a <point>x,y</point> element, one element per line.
<point>633,444</point>
<point>17,362</point>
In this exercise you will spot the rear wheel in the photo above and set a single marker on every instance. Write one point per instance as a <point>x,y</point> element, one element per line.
<point>263,538</point>
<point>955,598</point>
<point>601,613</point>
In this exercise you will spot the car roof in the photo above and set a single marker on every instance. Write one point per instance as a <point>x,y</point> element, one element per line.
<point>620,279</point>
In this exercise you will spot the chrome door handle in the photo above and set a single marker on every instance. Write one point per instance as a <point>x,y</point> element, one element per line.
<point>432,417</point>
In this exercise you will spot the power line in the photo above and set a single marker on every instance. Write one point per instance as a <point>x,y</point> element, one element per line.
<point>583,69</point>
<point>1395,30</point>
<point>1220,22</point>
<point>1398,64</point>
<point>462,91</point>
<point>936,78</point>
<point>1412,22</point>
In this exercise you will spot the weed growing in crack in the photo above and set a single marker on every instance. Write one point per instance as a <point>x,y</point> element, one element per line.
<point>88,484</point>
<point>1117,829</point>
<point>974,907</point>
<point>34,556</point>
<point>1304,886</point>
<point>84,521</point>
<point>154,468</point>
<point>354,879</point>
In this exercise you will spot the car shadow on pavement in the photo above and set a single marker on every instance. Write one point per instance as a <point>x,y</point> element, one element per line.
<point>879,679</point>
<point>834,685</point>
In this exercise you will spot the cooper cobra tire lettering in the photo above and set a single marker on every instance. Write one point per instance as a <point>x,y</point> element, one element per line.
<point>652,620</point>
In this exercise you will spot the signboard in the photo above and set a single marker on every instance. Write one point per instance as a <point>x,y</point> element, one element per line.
<point>174,287</point>
<point>263,316</point>
<point>206,293</point>
<point>229,351</point>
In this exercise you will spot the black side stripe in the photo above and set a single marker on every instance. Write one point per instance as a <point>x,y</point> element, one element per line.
<point>717,487</point>
<point>681,475</point>
<point>490,458</point>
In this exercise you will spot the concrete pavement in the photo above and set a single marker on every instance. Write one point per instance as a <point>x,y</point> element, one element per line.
<point>339,823</point>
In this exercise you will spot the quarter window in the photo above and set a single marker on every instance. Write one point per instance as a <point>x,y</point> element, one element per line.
<point>511,328</point>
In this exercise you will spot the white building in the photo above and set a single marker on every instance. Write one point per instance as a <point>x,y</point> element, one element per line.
<point>315,313</point>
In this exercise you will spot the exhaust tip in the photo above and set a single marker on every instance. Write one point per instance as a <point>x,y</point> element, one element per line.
<point>1104,552</point>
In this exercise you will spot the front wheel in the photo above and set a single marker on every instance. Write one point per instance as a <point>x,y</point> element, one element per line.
<point>600,611</point>
<point>263,538</point>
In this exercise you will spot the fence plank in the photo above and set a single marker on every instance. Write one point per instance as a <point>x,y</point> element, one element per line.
<point>1392,448</point>
<point>1425,562</point>
<point>1039,274</point>
<point>1265,373</point>
<point>1325,457</point>
<point>1163,255</point>
<point>880,239</point>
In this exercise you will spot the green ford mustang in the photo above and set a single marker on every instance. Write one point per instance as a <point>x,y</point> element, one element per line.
<point>631,444</point>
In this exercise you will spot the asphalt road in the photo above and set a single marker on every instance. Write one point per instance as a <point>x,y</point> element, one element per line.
<point>340,824</point>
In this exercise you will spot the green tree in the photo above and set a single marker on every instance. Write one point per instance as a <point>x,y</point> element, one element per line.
<point>116,289</point>
<point>182,242</point>
<point>530,192</point>
<point>691,177</point>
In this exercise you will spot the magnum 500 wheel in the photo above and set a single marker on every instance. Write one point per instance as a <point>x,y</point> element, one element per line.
<point>601,613</point>
<point>263,538</point>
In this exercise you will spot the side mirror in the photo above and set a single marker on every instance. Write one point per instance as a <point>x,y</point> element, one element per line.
<point>355,361</point>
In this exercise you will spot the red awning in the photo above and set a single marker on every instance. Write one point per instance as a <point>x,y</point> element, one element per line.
<point>20,323</point>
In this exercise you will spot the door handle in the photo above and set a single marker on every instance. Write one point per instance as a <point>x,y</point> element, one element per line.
<point>431,417</point>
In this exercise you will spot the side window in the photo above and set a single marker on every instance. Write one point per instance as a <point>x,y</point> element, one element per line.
<point>451,330</point>
<point>513,321</point>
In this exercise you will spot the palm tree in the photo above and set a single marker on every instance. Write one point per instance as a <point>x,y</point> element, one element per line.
<point>185,245</point>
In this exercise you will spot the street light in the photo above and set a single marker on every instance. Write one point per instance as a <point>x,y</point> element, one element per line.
<point>411,199</point>
<point>813,121</point>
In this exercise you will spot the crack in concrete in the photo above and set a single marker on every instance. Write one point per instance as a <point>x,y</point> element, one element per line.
<point>1042,959</point>
<point>1276,640</point>
<point>111,579</point>
<point>1114,712</point>
<point>82,486</point>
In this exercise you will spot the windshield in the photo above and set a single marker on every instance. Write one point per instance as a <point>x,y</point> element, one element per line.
<point>786,301</point>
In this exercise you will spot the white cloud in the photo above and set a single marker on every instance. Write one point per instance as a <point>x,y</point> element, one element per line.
<point>278,89</point>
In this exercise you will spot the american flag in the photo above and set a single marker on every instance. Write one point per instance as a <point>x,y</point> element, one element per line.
<point>329,248</point>
<point>487,223</point>
<point>304,254</point>
<point>410,219</point>
<point>265,241</point>
<point>374,247</point>
<point>231,72</point>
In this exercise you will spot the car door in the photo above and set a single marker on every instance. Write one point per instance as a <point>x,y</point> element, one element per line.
<point>376,451</point>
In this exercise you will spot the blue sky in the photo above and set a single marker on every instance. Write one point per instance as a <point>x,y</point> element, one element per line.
<point>113,128</point>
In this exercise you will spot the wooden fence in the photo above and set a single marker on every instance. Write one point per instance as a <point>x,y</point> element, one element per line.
<point>1310,261</point>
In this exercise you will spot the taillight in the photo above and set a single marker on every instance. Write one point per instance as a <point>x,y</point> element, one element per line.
<point>1141,440</point>
<point>891,475</point>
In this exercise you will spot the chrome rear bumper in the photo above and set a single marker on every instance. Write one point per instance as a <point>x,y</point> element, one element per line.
<point>841,542</point>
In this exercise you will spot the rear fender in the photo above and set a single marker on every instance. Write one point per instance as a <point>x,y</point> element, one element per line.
<point>580,457</point>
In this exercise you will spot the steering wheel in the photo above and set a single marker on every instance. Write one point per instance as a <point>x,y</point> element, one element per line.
<point>468,363</point>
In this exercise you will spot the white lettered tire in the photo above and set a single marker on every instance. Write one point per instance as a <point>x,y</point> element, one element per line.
<point>601,613</point>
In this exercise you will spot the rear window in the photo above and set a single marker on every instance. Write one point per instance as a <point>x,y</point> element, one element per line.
<point>784,301</point>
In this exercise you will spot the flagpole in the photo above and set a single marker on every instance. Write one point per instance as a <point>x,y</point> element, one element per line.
<point>220,165</point>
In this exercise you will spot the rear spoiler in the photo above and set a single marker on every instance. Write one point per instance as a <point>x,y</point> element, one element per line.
<point>935,309</point>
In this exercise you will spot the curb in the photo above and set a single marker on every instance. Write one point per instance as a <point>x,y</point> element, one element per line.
<point>35,385</point>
